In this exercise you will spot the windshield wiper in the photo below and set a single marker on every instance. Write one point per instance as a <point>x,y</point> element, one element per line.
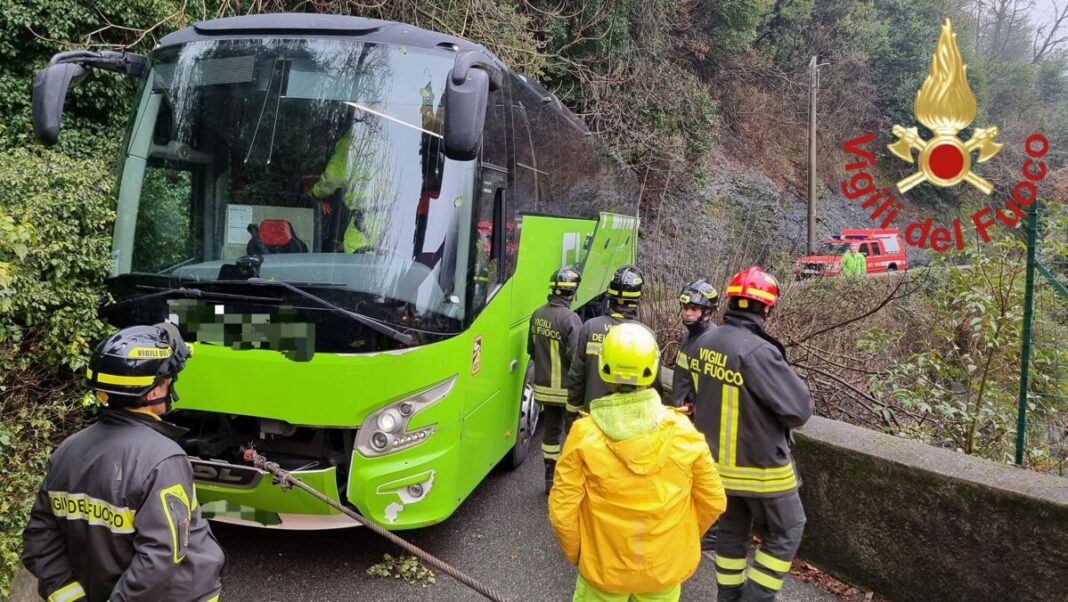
<point>367,321</point>
<point>187,293</point>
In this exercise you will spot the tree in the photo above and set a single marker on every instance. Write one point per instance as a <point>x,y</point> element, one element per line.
<point>1049,37</point>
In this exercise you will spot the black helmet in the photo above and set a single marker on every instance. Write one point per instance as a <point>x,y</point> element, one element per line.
<point>565,281</point>
<point>699,293</point>
<point>132,361</point>
<point>626,286</point>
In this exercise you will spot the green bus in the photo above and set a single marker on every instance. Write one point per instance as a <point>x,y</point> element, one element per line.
<point>351,221</point>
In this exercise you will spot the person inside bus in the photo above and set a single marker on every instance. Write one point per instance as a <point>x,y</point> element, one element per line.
<point>432,161</point>
<point>635,485</point>
<point>347,185</point>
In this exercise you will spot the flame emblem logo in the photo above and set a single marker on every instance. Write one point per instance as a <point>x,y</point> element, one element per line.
<point>946,105</point>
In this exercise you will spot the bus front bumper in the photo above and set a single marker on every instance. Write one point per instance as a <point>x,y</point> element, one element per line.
<point>405,490</point>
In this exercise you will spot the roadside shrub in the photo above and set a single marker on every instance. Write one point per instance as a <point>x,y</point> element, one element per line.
<point>54,241</point>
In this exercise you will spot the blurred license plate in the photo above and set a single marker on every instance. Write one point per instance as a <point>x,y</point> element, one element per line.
<point>226,474</point>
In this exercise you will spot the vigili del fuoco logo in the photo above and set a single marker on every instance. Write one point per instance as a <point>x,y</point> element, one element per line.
<point>945,105</point>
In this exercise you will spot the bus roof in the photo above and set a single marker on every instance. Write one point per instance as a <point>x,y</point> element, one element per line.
<point>323,26</point>
<point>346,27</point>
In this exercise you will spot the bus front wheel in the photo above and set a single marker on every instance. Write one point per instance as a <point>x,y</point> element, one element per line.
<point>529,411</point>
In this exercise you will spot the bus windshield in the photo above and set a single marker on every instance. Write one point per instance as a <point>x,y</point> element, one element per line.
<point>298,160</point>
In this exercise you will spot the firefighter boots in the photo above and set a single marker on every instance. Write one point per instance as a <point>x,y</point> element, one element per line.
<point>550,469</point>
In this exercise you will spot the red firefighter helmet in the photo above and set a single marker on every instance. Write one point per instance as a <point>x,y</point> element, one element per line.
<point>756,284</point>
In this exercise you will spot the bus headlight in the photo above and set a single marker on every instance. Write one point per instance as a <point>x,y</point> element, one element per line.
<point>379,441</point>
<point>387,421</point>
<point>386,431</point>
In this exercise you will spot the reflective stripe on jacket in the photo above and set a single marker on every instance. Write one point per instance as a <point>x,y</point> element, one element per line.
<point>748,399</point>
<point>635,488</point>
<point>117,518</point>
<point>551,342</point>
<point>351,176</point>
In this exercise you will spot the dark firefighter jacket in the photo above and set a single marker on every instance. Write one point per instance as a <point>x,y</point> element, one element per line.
<point>583,383</point>
<point>551,342</point>
<point>117,518</point>
<point>682,381</point>
<point>748,400</point>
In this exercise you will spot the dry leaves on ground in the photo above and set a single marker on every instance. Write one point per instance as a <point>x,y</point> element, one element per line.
<point>817,577</point>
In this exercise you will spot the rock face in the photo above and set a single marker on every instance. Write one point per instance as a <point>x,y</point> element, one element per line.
<point>737,217</point>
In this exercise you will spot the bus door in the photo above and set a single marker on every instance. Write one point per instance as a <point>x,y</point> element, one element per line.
<point>488,412</point>
<point>614,243</point>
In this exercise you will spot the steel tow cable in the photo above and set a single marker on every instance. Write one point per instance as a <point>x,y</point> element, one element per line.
<point>286,480</point>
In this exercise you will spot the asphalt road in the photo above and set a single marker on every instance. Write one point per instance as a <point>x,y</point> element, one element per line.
<point>500,536</point>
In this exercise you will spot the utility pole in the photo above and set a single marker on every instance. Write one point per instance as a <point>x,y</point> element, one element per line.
<point>813,82</point>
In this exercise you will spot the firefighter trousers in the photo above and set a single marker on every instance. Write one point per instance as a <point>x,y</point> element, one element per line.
<point>553,430</point>
<point>779,521</point>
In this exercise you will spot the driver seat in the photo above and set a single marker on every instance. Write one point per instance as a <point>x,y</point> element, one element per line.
<point>275,236</point>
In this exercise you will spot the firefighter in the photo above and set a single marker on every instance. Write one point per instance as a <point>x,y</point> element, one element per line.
<point>551,342</point>
<point>636,484</point>
<point>698,301</point>
<point>697,304</point>
<point>748,400</point>
<point>583,384</point>
<point>116,517</point>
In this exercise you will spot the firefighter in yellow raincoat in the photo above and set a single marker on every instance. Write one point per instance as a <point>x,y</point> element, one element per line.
<point>635,486</point>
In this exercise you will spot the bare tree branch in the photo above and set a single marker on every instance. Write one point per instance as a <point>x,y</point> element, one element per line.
<point>1051,41</point>
<point>883,303</point>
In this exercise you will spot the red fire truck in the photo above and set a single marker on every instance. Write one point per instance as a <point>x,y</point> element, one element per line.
<point>884,250</point>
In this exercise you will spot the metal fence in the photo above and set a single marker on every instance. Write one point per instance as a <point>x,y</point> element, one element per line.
<point>1042,418</point>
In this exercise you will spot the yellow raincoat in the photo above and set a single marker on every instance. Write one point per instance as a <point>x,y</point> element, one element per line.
<point>635,489</point>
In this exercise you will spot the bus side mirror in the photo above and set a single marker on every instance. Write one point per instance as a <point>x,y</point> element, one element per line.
<point>465,114</point>
<point>474,74</point>
<point>49,93</point>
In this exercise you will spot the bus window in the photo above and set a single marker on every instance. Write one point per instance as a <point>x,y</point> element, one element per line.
<point>494,228</point>
<point>525,184</point>
<point>163,229</point>
<point>526,164</point>
<point>485,271</point>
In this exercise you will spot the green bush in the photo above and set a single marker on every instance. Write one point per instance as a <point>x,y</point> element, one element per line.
<point>54,243</point>
<point>31,31</point>
<point>961,379</point>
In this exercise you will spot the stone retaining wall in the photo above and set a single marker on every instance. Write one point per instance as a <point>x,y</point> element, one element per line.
<point>918,523</point>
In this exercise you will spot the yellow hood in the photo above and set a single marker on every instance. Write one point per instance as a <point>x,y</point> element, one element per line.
<point>634,424</point>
